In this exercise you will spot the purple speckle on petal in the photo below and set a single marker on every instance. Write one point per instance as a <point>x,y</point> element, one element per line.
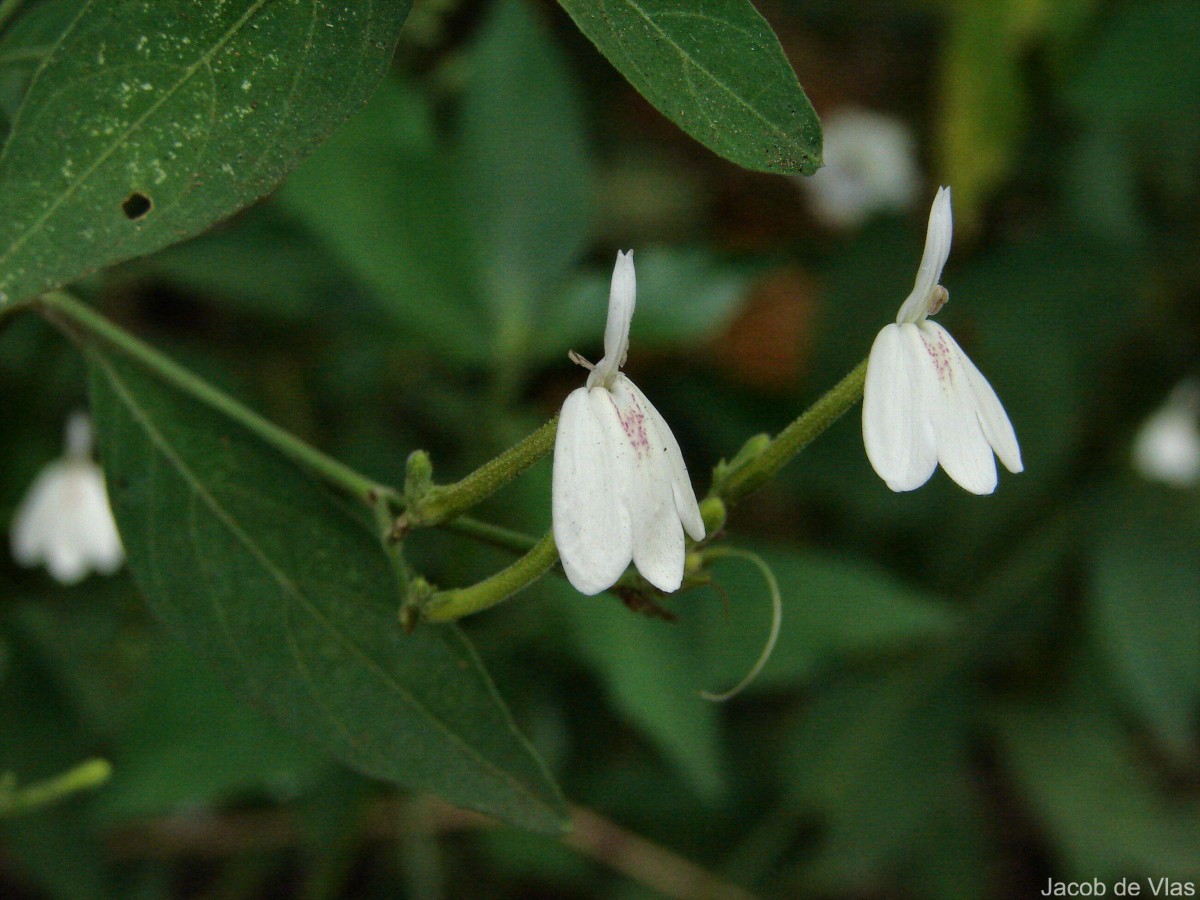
<point>633,420</point>
<point>939,352</point>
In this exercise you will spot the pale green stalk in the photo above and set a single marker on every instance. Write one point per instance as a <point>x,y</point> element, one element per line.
<point>84,777</point>
<point>88,326</point>
<point>446,606</point>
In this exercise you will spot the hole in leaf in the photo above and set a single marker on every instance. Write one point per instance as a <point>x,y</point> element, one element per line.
<point>136,205</point>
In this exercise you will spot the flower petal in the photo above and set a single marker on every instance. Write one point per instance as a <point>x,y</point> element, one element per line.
<point>658,545</point>
<point>592,528</point>
<point>897,431</point>
<point>622,298</point>
<point>681,483</point>
<point>33,523</point>
<point>962,448</point>
<point>101,542</point>
<point>937,250</point>
<point>997,427</point>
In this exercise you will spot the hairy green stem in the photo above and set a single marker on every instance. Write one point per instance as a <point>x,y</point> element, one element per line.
<point>87,326</point>
<point>446,606</point>
<point>443,502</point>
<point>752,471</point>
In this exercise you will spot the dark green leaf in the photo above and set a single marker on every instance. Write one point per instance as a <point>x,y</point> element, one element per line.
<point>1093,792</point>
<point>880,759</point>
<point>1146,609</point>
<point>190,742</point>
<point>381,196</point>
<point>226,263</point>
<point>651,671</point>
<point>26,42</point>
<point>1143,69</point>
<point>716,70</point>
<point>145,125</point>
<point>279,585</point>
<point>525,172</point>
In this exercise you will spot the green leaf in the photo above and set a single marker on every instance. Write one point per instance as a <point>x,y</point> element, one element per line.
<point>650,670</point>
<point>226,264</point>
<point>143,126</point>
<point>1146,609</point>
<point>380,195</point>
<point>1093,792</point>
<point>190,742</point>
<point>280,586</point>
<point>26,43</point>
<point>525,171</point>
<point>716,70</point>
<point>1142,67</point>
<point>885,761</point>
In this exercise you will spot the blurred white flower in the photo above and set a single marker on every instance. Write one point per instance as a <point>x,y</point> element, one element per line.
<point>621,491</point>
<point>870,166</point>
<point>1167,446</point>
<point>924,402</point>
<point>65,522</point>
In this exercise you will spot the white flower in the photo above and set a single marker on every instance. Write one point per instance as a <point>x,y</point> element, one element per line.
<point>65,521</point>
<point>1167,446</point>
<point>870,166</point>
<point>621,491</point>
<point>924,402</point>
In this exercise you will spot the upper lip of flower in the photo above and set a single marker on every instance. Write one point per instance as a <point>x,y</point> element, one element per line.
<point>928,295</point>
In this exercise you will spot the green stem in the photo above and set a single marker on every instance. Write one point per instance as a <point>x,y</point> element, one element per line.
<point>88,326</point>
<point>393,549</point>
<point>446,606</point>
<point>749,474</point>
<point>444,502</point>
<point>486,532</point>
<point>83,777</point>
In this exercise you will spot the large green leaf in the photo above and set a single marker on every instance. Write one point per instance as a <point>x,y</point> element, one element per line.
<point>1093,790</point>
<point>525,171</point>
<point>278,584</point>
<point>716,70</point>
<point>190,742</point>
<point>380,195</point>
<point>885,762</point>
<point>649,669</point>
<point>147,122</point>
<point>1145,609</point>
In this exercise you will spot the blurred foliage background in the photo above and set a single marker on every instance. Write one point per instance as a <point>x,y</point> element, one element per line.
<point>970,695</point>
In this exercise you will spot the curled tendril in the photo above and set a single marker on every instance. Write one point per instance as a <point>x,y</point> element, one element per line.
<point>776,618</point>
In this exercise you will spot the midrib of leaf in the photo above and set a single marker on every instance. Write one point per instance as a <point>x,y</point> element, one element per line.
<point>286,583</point>
<point>690,59</point>
<point>204,60</point>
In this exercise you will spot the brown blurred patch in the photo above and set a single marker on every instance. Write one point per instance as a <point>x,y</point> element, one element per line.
<point>769,344</point>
